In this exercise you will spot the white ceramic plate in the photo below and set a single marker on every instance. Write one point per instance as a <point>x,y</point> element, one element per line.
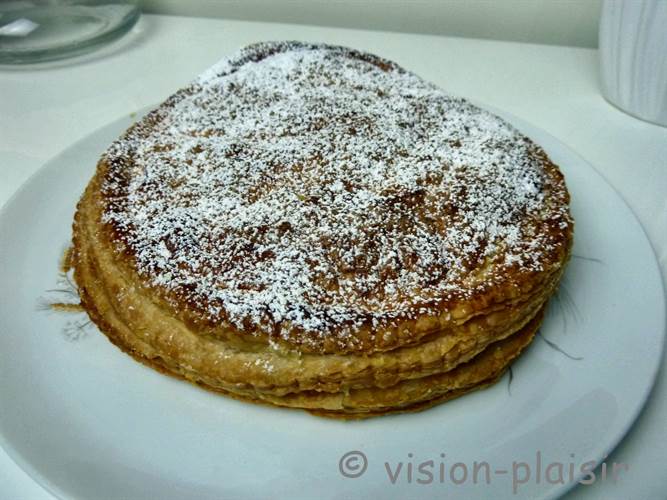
<point>86,421</point>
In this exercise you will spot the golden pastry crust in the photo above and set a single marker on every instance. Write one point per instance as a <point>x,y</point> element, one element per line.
<point>315,227</point>
<point>330,201</point>
<point>348,400</point>
<point>151,330</point>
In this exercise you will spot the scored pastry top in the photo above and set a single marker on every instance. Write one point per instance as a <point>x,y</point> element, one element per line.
<point>326,198</point>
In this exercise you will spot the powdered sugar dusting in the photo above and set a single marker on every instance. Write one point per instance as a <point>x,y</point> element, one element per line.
<point>314,188</point>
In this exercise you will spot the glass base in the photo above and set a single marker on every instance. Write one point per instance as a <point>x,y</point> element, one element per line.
<point>31,33</point>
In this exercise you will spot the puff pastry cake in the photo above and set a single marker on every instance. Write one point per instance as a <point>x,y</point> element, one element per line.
<point>315,227</point>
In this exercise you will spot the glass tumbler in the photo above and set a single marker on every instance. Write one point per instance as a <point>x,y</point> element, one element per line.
<point>633,57</point>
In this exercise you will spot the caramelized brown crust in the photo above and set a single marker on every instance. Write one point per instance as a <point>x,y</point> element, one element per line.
<point>329,201</point>
<point>348,399</point>
<point>314,227</point>
<point>145,324</point>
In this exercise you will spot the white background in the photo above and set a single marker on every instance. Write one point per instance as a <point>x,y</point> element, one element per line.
<point>560,22</point>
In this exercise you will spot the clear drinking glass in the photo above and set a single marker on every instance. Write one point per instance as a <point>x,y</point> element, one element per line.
<point>45,30</point>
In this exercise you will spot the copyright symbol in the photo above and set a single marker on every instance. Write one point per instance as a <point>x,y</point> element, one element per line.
<point>353,464</point>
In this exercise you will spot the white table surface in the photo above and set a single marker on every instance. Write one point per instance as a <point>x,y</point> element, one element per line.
<point>44,109</point>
